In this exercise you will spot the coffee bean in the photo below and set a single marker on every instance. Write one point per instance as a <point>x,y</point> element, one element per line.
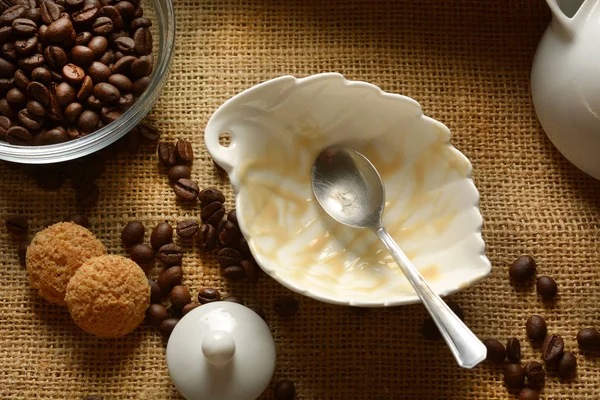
<point>162,234</point>
<point>5,124</point>
<point>210,195</point>
<point>59,30</point>
<point>244,248</point>
<point>65,94</point>
<point>529,394</point>
<point>126,101</point>
<point>83,38</point>
<point>79,219</point>
<point>167,326</point>
<point>566,365</point>
<point>536,376</point>
<point>36,108</point>
<point>16,96</point>
<point>184,151</point>
<point>114,15</point>
<point>102,26</point>
<point>514,376</point>
<point>150,134</point>
<point>141,253</point>
<point>228,234</point>
<point>166,153</point>
<point>50,12</point>
<point>55,57</point>
<point>73,74</point>
<point>39,92</point>
<point>133,233</point>
<point>142,41</point>
<point>513,350</point>
<point>24,27</point>
<point>232,217</point>
<point>552,348</point>
<point>17,226</point>
<point>522,269</point>
<point>228,257</point>
<point>87,195</point>
<point>110,114</point>
<point>12,13</point>
<point>29,120</point>
<point>213,213</point>
<point>82,55</point>
<point>141,67</point>
<point>496,352</point>
<point>125,44</point>
<point>155,294</point>
<point>18,136</point>
<point>6,84</point>
<point>207,237</point>
<point>126,9</point>
<point>88,121</point>
<point>87,88</point>
<point>140,23</point>
<point>123,65</point>
<point>73,111</point>
<point>5,33</point>
<point>186,189</point>
<point>180,296</point>
<point>117,55</point>
<point>546,287</point>
<point>27,46</point>
<point>98,44</point>
<point>536,328</point>
<point>41,75</point>
<point>284,390</point>
<point>179,172</point>
<point>156,314</point>
<point>139,86</point>
<point>189,307</point>
<point>588,339</point>
<point>170,254</point>
<point>121,82</point>
<point>86,15</point>
<point>250,270</point>
<point>53,136</point>
<point>208,295</point>
<point>234,273</point>
<point>99,72</point>
<point>286,306</point>
<point>21,80</point>
<point>7,110</point>
<point>187,228</point>
<point>169,278</point>
<point>107,92</point>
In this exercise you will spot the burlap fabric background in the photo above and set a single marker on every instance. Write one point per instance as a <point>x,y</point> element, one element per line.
<point>467,63</point>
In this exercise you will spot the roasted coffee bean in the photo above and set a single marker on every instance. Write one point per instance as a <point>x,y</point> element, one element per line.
<point>50,12</point>
<point>284,390</point>
<point>514,376</point>
<point>126,9</point>
<point>39,92</point>
<point>536,328</point>
<point>250,270</point>
<point>87,88</point>
<point>99,72</point>
<point>108,58</point>
<point>79,219</point>
<point>29,120</point>
<point>88,121</point>
<point>140,23</point>
<point>167,326</point>
<point>17,226</point>
<point>180,296</point>
<point>6,84</point>
<point>21,80</point>
<point>166,153</point>
<point>75,3</point>
<point>169,278</point>
<point>87,195</point>
<point>213,213</point>
<point>162,234</point>
<point>9,53</point>
<point>208,295</point>
<point>522,269</point>
<point>16,96</point>
<point>112,13</point>
<point>184,151</point>
<point>156,313</point>
<point>7,110</point>
<point>55,57</point>
<point>529,394</point>
<point>186,189</point>
<point>27,46</point>
<point>24,27</point>
<point>189,307</point>
<point>170,254</point>
<point>546,287</point>
<point>155,294</point>
<point>5,33</point>
<point>210,195</point>
<point>566,365</point>
<point>286,306</point>
<point>123,65</point>
<point>74,133</point>
<point>73,111</point>
<point>536,376</point>
<point>86,15</point>
<point>207,237</point>
<point>126,101</point>
<point>102,26</point>
<point>98,44</point>
<point>228,234</point>
<point>65,94</point>
<point>117,55</point>
<point>82,56</point>
<point>36,108</point>
<point>179,172</point>
<point>53,136</point>
<point>59,30</point>
<point>133,233</point>
<point>107,92</point>
<point>121,82</point>
<point>41,75</point>
<point>139,86</point>
<point>552,348</point>
<point>496,352</point>
<point>232,217</point>
<point>234,273</point>
<point>141,67</point>
<point>5,124</point>
<point>141,253</point>
<point>228,257</point>
<point>35,15</point>
<point>83,38</point>
<point>12,13</point>
<point>18,136</point>
<point>588,339</point>
<point>187,228</point>
<point>125,44</point>
<point>150,134</point>
<point>142,41</point>
<point>73,74</point>
<point>110,114</point>
<point>513,350</point>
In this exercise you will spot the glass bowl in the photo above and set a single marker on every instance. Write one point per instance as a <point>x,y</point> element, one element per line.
<point>164,28</point>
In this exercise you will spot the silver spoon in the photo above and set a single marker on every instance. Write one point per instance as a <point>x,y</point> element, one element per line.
<point>350,190</point>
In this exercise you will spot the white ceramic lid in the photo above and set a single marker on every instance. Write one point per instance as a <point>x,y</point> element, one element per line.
<point>221,351</point>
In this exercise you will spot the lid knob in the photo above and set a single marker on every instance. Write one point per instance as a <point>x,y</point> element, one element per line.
<point>218,347</point>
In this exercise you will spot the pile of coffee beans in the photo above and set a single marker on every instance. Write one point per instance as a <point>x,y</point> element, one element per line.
<point>178,157</point>
<point>67,68</point>
<point>524,269</point>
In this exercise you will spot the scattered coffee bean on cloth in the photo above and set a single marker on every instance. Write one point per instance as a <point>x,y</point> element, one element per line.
<point>523,269</point>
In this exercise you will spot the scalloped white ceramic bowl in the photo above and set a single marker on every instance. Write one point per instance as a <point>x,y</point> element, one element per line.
<point>277,128</point>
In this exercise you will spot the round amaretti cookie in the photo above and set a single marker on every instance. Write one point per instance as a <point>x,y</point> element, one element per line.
<point>108,296</point>
<point>54,255</point>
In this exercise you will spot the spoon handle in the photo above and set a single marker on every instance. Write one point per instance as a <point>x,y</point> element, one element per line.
<point>465,346</point>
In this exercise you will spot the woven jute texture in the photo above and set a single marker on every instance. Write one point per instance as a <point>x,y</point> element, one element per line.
<point>467,62</point>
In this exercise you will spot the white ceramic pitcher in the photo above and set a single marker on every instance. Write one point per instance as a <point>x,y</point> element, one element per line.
<point>565,82</point>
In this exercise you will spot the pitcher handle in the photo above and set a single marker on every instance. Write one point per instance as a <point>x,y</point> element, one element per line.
<point>570,24</point>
